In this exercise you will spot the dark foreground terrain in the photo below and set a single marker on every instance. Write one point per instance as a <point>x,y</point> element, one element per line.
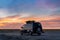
<point>15,35</point>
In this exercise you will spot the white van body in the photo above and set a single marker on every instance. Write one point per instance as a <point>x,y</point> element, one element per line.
<point>27,27</point>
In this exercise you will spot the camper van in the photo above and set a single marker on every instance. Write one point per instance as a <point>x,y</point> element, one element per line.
<point>29,28</point>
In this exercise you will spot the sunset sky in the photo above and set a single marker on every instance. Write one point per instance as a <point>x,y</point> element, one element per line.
<point>14,13</point>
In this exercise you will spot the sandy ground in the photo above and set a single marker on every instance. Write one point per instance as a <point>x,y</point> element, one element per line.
<point>48,35</point>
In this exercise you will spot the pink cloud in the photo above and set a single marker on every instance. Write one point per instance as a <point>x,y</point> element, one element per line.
<point>45,4</point>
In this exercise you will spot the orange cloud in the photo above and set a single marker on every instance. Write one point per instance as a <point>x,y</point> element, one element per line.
<point>1,24</point>
<point>14,21</point>
<point>18,19</point>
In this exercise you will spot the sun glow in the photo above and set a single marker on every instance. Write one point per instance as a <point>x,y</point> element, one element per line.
<point>22,20</point>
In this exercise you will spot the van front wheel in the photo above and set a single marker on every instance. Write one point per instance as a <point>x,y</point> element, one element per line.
<point>39,34</point>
